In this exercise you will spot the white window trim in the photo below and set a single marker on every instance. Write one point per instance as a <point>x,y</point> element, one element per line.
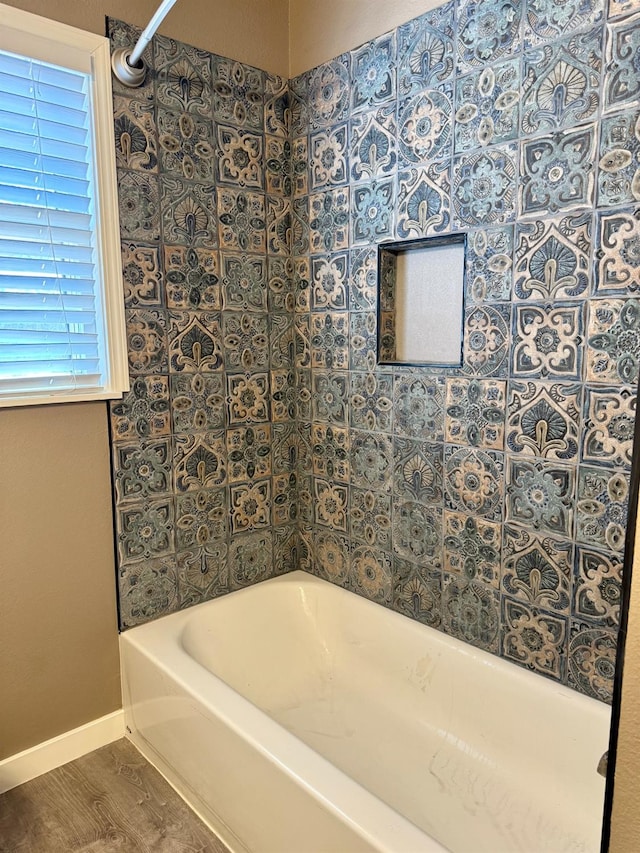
<point>50,41</point>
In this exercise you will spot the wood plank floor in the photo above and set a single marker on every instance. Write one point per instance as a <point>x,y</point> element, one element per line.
<point>110,801</point>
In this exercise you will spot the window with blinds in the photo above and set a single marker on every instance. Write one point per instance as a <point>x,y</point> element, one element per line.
<point>61,317</point>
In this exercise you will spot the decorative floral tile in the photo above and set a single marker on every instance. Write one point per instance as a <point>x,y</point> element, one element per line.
<point>238,93</point>
<point>557,172</point>
<point>484,187</point>
<point>330,508</point>
<point>248,398</point>
<point>280,285</point>
<point>147,341</point>
<point>592,660</point>
<point>618,253</point>
<point>619,172</point>
<point>370,517</point>
<point>537,569</point>
<point>622,7</point>
<point>417,533</point>
<point>201,521</point>
<point>622,85</point>
<point>197,402</point>
<point>472,547</point>
<point>302,340</point>
<point>284,395</point>
<point>246,340</point>
<point>561,83</point>
<point>534,639</point>
<point>613,341</point>
<point>371,402</point>
<point>553,258</point>
<point>250,558</point>
<point>183,77</point>
<point>424,126</point>
<point>300,240</point>
<point>486,340</point>
<point>362,335</point>
<point>329,92</point>
<point>487,32</point>
<point>373,143</point>
<point>329,157</point>
<point>239,158</point>
<point>135,135</point>
<point>373,73</point>
<point>330,446</point>
<point>194,342</point>
<point>547,341</point>
<point>418,407</point>
<point>145,529</point>
<point>487,106</point>
<point>299,108</point>
<point>142,470</point>
<point>188,213</point>
<point>301,285</point>
<point>329,282</point>
<point>549,20</point>
<point>540,496</point>
<point>609,414</point>
<point>141,276</point>
<point>363,279</point>
<point>602,508</point>
<point>186,149</point>
<point>544,420</point>
<point>299,167</point>
<point>203,573</point>
<point>200,461</point>
<point>244,282</point>
<point>329,221</point>
<point>489,264</point>
<point>332,557</point>
<point>371,459</point>
<point>278,166</point>
<point>284,503</point>
<point>370,574</point>
<point>281,340</point>
<point>242,220</point>
<point>372,212</point>
<point>250,506</point>
<point>474,481</point>
<point>597,587</point>
<point>286,549</point>
<point>285,449</point>
<point>276,105</point>
<point>475,412</point>
<point>279,225</point>
<point>417,473</point>
<point>143,411</point>
<point>330,340</point>
<point>139,204</point>
<point>248,452</point>
<point>425,50</point>
<point>423,201</point>
<point>147,590</point>
<point>192,278</point>
<point>417,592</point>
<point>471,612</point>
<point>330,397</point>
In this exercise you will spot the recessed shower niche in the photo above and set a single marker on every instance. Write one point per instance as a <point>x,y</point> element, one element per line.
<point>421,301</point>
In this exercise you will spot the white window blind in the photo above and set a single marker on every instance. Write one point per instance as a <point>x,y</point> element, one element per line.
<point>55,340</point>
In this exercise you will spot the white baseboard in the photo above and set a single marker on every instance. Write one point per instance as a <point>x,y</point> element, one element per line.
<point>39,759</point>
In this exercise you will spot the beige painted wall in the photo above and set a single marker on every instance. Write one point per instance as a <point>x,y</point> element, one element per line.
<point>59,663</point>
<point>253,31</point>
<point>318,31</point>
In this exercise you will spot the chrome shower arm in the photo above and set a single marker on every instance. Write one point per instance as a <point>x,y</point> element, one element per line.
<point>126,63</point>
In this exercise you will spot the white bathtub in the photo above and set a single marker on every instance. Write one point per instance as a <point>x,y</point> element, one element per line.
<point>296,717</point>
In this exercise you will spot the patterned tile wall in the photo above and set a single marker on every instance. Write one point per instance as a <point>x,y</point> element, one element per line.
<point>204,450</point>
<point>260,435</point>
<point>489,502</point>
